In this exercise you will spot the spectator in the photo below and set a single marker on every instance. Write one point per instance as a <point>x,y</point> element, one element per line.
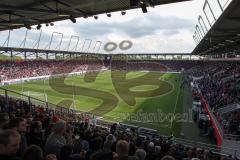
<point>56,139</point>
<point>80,145</point>
<point>33,153</point>
<point>35,136</point>
<point>95,146</point>
<point>140,154</point>
<point>20,125</point>
<point>102,156</point>
<point>109,142</point>
<point>122,149</point>
<point>9,144</point>
<point>65,152</point>
<point>168,158</point>
<point>4,119</point>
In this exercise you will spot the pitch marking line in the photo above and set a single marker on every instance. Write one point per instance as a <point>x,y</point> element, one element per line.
<point>175,106</point>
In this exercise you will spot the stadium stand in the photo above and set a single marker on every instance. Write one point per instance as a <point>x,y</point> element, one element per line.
<point>75,136</point>
<point>21,69</point>
<point>33,131</point>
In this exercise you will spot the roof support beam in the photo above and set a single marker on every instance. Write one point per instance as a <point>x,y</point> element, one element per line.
<point>28,9</point>
<point>234,19</point>
<point>10,9</point>
<point>71,6</point>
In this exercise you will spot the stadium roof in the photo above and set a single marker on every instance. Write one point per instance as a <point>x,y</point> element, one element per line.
<point>49,51</point>
<point>19,13</point>
<point>224,36</point>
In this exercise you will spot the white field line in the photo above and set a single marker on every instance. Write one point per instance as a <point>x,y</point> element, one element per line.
<point>175,106</point>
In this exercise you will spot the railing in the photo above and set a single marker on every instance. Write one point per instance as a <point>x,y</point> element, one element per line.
<point>231,77</point>
<point>216,149</point>
<point>214,119</point>
<point>215,124</point>
<point>229,108</point>
<point>232,137</point>
<point>61,110</point>
<point>144,132</point>
<point>31,100</point>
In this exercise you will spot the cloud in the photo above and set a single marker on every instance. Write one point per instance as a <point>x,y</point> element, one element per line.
<point>166,28</point>
<point>135,28</point>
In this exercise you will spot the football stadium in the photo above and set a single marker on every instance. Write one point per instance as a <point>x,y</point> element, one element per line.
<point>120,80</point>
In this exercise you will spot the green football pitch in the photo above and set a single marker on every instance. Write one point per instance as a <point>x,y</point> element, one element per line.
<point>146,102</point>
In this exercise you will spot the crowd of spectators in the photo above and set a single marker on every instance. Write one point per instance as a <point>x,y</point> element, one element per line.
<point>33,68</point>
<point>220,86</point>
<point>30,133</point>
<point>231,122</point>
<point>37,133</point>
<point>219,82</point>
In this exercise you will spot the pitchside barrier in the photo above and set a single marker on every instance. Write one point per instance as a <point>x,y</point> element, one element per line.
<point>143,132</point>
<point>28,79</point>
<point>218,132</point>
